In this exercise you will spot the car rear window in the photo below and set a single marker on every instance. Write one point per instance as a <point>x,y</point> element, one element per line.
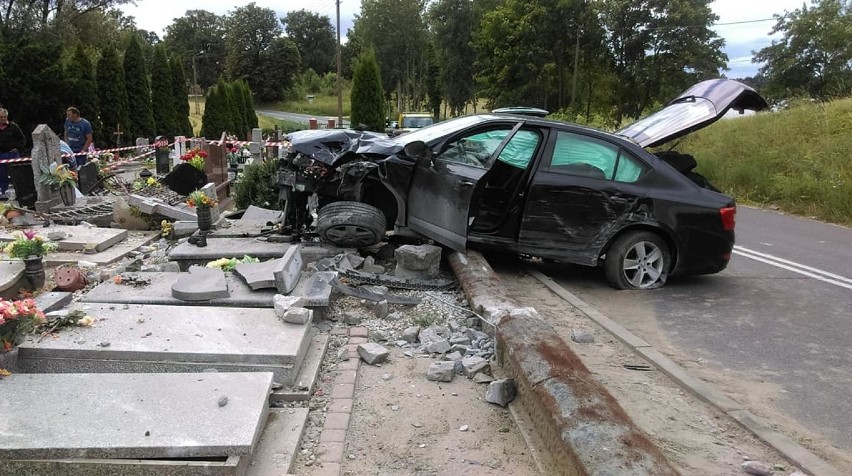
<point>586,156</point>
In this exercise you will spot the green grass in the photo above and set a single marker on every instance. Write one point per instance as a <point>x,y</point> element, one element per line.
<point>797,160</point>
<point>322,105</point>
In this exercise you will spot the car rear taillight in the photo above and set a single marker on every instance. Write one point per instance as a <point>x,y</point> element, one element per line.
<point>728,218</point>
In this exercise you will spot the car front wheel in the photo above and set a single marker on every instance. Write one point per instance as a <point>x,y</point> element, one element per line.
<point>351,224</point>
<point>637,260</point>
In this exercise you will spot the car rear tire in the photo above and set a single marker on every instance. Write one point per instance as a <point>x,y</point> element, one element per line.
<point>351,224</point>
<point>637,260</point>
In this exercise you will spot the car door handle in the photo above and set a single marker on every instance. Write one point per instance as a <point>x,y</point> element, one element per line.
<point>465,183</point>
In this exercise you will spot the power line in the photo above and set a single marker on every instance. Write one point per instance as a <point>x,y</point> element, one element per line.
<point>744,21</point>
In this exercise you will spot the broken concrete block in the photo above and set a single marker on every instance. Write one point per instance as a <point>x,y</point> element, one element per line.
<point>281,304</point>
<point>201,284</point>
<point>423,261</point>
<point>351,319</point>
<point>438,347</point>
<point>258,275</point>
<point>410,334</point>
<point>297,315</point>
<point>355,260</point>
<point>441,371</point>
<point>372,353</point>
<point>483,378</point>
<point>474,365</point>
<point>582,336</point>
<point>381,309</point>
<point>288,270</point>
<point>265,214</point>
<point>182,228</point>
<point>369,266</point>
<point>501,392</point>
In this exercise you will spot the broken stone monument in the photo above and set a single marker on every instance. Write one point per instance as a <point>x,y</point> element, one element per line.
<point>423,261</point>
<point>45,152</point>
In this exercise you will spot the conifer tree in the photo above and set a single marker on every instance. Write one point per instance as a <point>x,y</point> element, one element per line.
<point>112,98</point>
<point>181,98</point>
<point>83,91</point>
<point>138,88</point>
<point>162,94</point>
<point>368,105</point>
<point>248,106</point>
<point>216,112</point>
<point>237,110</point>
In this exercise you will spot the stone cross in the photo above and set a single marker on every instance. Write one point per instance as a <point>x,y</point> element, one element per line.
<point>256,144</point>
<point>45,152</point>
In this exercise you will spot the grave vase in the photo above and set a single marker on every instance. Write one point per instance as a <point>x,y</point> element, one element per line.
<point>9,360</point>
<point>34,272</point>
<point>205,218</point>
<point>67,194</point>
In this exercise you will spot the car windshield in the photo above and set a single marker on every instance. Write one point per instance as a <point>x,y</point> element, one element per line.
<point>415,122</point>
<point>438,130</point>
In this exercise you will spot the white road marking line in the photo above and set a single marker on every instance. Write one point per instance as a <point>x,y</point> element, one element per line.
<point>795,267</point>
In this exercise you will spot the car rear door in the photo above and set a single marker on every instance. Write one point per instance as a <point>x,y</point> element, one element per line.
<point>441,189</point>
<point>584,191</point>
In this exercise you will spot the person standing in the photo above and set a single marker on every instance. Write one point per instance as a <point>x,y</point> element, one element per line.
<point>78,134</point>
<point>12,142</point>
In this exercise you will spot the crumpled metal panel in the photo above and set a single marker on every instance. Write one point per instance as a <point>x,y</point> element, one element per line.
<point>334,146</point>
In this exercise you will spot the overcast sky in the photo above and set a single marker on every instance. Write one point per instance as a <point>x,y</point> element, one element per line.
<point>740,40</point>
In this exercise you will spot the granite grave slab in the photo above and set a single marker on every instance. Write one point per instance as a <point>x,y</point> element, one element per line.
<point>188,254</point>
<point>201,284</point>
<point>146,338</point>
<point>132,415</point>
<point>258,275</point>
<point>134,240</point>
<point>76,238</point>
<point>314,287</point>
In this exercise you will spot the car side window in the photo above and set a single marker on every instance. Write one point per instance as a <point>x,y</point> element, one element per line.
<point>585,156</point>
<point>475,149</point>
<point>520,149</point>
<point>629,169</point>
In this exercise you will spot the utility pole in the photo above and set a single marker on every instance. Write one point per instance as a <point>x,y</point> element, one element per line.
<point>339,73</point>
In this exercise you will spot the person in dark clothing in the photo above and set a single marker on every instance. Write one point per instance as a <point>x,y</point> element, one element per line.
<point>12,142</point>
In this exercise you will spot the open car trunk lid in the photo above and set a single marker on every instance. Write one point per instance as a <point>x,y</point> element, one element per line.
<point>696,108</point>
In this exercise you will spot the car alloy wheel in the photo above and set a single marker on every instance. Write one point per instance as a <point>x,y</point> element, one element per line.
<point>637,260</point>
<point>351,224</point>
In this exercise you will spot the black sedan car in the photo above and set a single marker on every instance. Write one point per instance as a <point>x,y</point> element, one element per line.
<point>531,186</point>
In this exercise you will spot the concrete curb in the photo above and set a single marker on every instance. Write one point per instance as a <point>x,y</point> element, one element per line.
<point>583,427</point>
<point>784,445</point>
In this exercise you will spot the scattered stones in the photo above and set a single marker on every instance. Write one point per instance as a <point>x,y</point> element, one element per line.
<point>441,371</point>
<point>342,354</point>
<point>370,266</point>
<point>410,334</point>
<point>297,315</point>
<point>464,428</point>
<point>382,309</point>
<point>501,392</point>
<point>421,261</point>
<point>757,468</point>
<point>223,400</point>
<point>474,365</point>
<point>373,353</point>
<point>582,336</point>
<point>351,319</point>
<point>282,304</point>
<point>482,378</point>
<point>104,344</point>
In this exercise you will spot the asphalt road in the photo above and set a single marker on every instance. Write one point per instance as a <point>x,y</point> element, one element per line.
<point>777,319</point>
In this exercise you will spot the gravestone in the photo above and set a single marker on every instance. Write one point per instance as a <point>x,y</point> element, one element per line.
<point>87,178</point>
<point>181,143</point>
<point>142,142</point>
<point>45,152</point>
<point>255,144</point>
<point>21,176</point>
<point>185,179</point>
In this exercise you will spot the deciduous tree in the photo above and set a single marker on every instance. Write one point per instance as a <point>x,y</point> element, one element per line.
<point>314,36</point>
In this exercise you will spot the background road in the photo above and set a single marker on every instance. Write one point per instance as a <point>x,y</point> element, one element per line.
<point>300,118</point>
<point>773,330</point>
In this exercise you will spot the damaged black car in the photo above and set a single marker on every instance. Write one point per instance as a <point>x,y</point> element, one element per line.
<point>528,185</point>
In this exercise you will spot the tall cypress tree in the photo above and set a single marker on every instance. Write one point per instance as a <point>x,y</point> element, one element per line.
<point>113,98</point>
<point>368,104</point>
<point>162,94</point>
<point>138,88</point>
<point>180,96</point>
<point>83,91</point>
<point>215,118</point>
<point>248,105</point>
<point>237,110</point>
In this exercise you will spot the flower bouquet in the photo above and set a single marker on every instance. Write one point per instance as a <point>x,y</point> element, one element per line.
<point>199,199</point>
<point>57,175</point>
<point>28,244</point>
<point>17,319</point>
<point>195,157</point>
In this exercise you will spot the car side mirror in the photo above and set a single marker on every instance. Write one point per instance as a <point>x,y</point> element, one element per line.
<point>418,150</point>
